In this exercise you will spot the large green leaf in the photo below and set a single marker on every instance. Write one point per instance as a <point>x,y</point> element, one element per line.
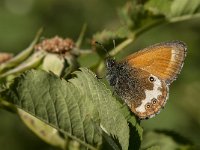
<point>78,108</point>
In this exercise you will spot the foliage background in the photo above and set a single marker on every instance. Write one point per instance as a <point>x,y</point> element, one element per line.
<point>19,21</point>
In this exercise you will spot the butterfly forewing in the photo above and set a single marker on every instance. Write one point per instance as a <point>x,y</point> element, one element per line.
<point>163,60</point>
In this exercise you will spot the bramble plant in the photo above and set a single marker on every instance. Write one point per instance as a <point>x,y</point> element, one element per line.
<point>64,103</point>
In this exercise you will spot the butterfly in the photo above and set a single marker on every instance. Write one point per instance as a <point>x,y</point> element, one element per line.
<point>142,79</point>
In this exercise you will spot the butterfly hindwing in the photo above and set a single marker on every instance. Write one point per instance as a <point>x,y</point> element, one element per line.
<point>154,100</point>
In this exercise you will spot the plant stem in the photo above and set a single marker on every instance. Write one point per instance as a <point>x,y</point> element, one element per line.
<point>100,67</point>
<point>121,46</point>
<point>80,38</point>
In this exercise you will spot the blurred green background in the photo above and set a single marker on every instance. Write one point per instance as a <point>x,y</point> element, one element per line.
<point>20,19</point>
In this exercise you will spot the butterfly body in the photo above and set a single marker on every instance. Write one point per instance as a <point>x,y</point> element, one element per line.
<point>142,79</point>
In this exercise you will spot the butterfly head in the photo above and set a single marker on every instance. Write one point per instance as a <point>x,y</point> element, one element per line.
<point>110,63</point>
<point>112,71</point>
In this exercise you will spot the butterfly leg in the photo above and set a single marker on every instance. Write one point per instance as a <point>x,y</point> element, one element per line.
<point>99,77</point>
<point>114,93</point>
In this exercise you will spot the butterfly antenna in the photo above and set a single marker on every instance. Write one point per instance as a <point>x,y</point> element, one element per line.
<point>103,48</point>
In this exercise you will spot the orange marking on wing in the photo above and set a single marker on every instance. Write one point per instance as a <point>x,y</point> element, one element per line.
<point>163,60</point>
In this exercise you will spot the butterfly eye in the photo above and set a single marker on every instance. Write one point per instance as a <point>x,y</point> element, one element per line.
<point>151,79</point>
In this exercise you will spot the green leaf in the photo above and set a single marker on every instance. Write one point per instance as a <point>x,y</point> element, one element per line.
<point>21,56</point>
<point>159,6</point>
<point>32,62</point>
<point>139,16</point>
<point>174,8</point>
<point>53,63</point>
<point>77,107</point>
<point>165,140</point>
<point>135,16</point>
<point>136,130</point>
<point>41,129</point>
<point>111,119</point>
<point>184,7</point>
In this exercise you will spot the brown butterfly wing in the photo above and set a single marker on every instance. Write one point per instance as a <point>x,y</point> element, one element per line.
<point>164,60</point>
<point>154,100</point>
